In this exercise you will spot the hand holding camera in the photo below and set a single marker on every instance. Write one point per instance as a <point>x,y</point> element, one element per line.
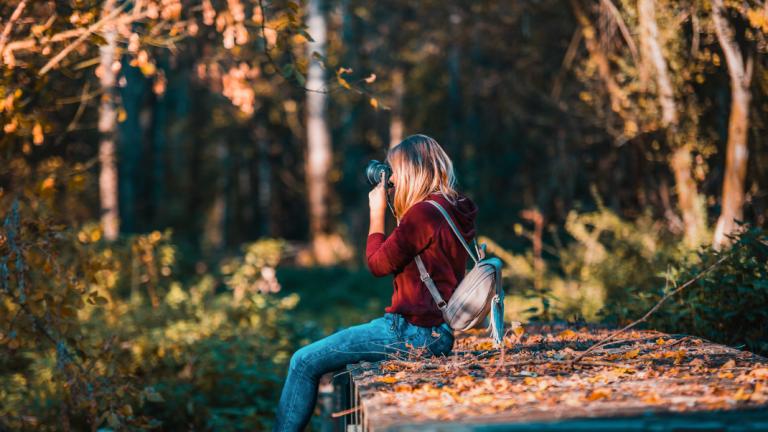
<point>378,174</point>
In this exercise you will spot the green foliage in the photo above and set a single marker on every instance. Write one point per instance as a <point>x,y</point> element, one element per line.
<point>352,296</point>
<point>94,334</point>
<point>727,305</point>
<point>615,256</point>
<point>606,258</point>
<point>615,270</point>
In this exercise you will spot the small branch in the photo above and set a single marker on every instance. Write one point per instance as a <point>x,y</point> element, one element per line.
<point>78,114</point>
<point>352,85</point>
<point>656,307</point>
<point>623,28</point>
<point>345,412</point>
<point>9,25</point>
<point>93,28</point>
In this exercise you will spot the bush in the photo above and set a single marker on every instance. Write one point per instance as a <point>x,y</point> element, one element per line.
<point>614,271</point>
<point>729,304</point>
<point>96,335</point>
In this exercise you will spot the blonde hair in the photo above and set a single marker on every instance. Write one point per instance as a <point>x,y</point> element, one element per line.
<point>420,167</point>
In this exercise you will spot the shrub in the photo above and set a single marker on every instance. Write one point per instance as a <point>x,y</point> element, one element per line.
<point>99,335</point>
<point>729,304</point>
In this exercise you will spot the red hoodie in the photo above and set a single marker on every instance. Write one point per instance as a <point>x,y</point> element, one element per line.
<point>423,230</point>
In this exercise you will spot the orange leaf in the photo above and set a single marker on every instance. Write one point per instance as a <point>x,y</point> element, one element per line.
<point>599,394</point>
<point>631,354</point>
<point>387,379</point>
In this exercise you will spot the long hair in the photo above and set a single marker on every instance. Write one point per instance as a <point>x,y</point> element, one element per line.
<point>420,167</point>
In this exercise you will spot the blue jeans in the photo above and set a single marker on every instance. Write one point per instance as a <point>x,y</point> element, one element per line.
<point>372,341</point>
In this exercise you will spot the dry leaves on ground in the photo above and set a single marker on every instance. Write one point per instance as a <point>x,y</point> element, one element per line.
<point>646,370</point>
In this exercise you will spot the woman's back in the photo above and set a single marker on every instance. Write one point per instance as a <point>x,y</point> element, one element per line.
<point>424,231</point>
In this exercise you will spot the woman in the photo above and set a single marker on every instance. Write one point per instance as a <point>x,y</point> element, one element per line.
<point>420,171</point>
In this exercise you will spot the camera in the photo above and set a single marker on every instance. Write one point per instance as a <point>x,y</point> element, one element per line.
<point>374,170</point>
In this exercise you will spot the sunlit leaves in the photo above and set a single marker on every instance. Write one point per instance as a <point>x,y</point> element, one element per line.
<point>340,72</point>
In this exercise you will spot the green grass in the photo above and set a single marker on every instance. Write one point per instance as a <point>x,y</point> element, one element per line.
<point>335,297</point>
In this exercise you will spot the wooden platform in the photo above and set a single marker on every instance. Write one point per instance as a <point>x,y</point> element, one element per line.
<point>645,381</point>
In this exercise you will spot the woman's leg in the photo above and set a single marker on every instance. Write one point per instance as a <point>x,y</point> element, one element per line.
<point>371,341</point>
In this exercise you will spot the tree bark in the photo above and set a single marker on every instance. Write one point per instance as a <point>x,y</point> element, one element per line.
<point>264,178</point>
<point>396,112</point>
<point>688,200</point>
<point>738,122</point>
<point>108,186</point>
<point>318,139</point>
<point>651,52</point>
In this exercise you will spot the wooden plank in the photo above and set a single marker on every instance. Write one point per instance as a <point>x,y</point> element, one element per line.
<point>649,381</point>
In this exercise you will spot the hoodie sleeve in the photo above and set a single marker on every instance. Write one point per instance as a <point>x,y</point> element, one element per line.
<point>416,231</point>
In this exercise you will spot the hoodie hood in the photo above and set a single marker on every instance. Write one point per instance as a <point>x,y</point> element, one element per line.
<point>463,213</point>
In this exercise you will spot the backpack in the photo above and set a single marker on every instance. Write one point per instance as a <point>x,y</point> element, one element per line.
<point>478,292</point>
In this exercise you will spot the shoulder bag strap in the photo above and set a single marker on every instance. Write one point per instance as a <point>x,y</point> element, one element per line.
<point>425,277</point>
<point>455,230</point>
<point>429,283</point>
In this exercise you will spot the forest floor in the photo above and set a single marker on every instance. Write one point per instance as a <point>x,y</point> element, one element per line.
<point>534,380</point>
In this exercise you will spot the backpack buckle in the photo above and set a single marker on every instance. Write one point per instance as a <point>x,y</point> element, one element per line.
<point>424,277</point>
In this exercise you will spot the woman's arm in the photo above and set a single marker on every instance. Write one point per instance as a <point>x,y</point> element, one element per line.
<point>386,255</point>
<point>377,201</point>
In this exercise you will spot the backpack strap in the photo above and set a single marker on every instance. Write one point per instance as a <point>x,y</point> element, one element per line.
<point>430,283</point>
<point>456,231</point>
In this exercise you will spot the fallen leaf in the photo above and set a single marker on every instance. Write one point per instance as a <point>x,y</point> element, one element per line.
<point>598,394</point>
<point>387,379</point>
<point>631,354</point>
<point>403,388</point>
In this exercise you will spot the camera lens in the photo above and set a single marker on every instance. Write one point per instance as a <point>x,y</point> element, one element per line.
<point>373,172</point>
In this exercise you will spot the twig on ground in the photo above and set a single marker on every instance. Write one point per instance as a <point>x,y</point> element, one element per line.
<point>656,307</point>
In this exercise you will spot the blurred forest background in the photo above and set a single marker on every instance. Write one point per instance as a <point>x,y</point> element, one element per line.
<point>183,201</point>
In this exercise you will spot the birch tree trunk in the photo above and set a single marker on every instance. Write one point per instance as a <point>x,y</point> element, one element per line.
<point>689,202</point>
<point>108,186</point>
<point>396,113</point>
<point>740,73</point>
<point>318,138</point>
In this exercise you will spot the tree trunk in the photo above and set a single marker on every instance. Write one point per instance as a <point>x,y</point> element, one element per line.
<point>215,231</point>
<point>396,113</point>
<point>159,156</point>
<point>651,52</point>
<point>318,139</point>
<point>131,146</point>
<point>264,178</point>
<point>688,200</point>
<point>107,123</point>
<point>736,153</point>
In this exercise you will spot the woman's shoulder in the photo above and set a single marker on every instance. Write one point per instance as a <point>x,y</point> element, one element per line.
<point>421,211</point>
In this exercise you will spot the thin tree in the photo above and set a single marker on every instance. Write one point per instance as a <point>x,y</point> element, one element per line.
<point>318,137</point>
<point>740,72</point>
<point>108,187</point>
<point>680,162</point>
